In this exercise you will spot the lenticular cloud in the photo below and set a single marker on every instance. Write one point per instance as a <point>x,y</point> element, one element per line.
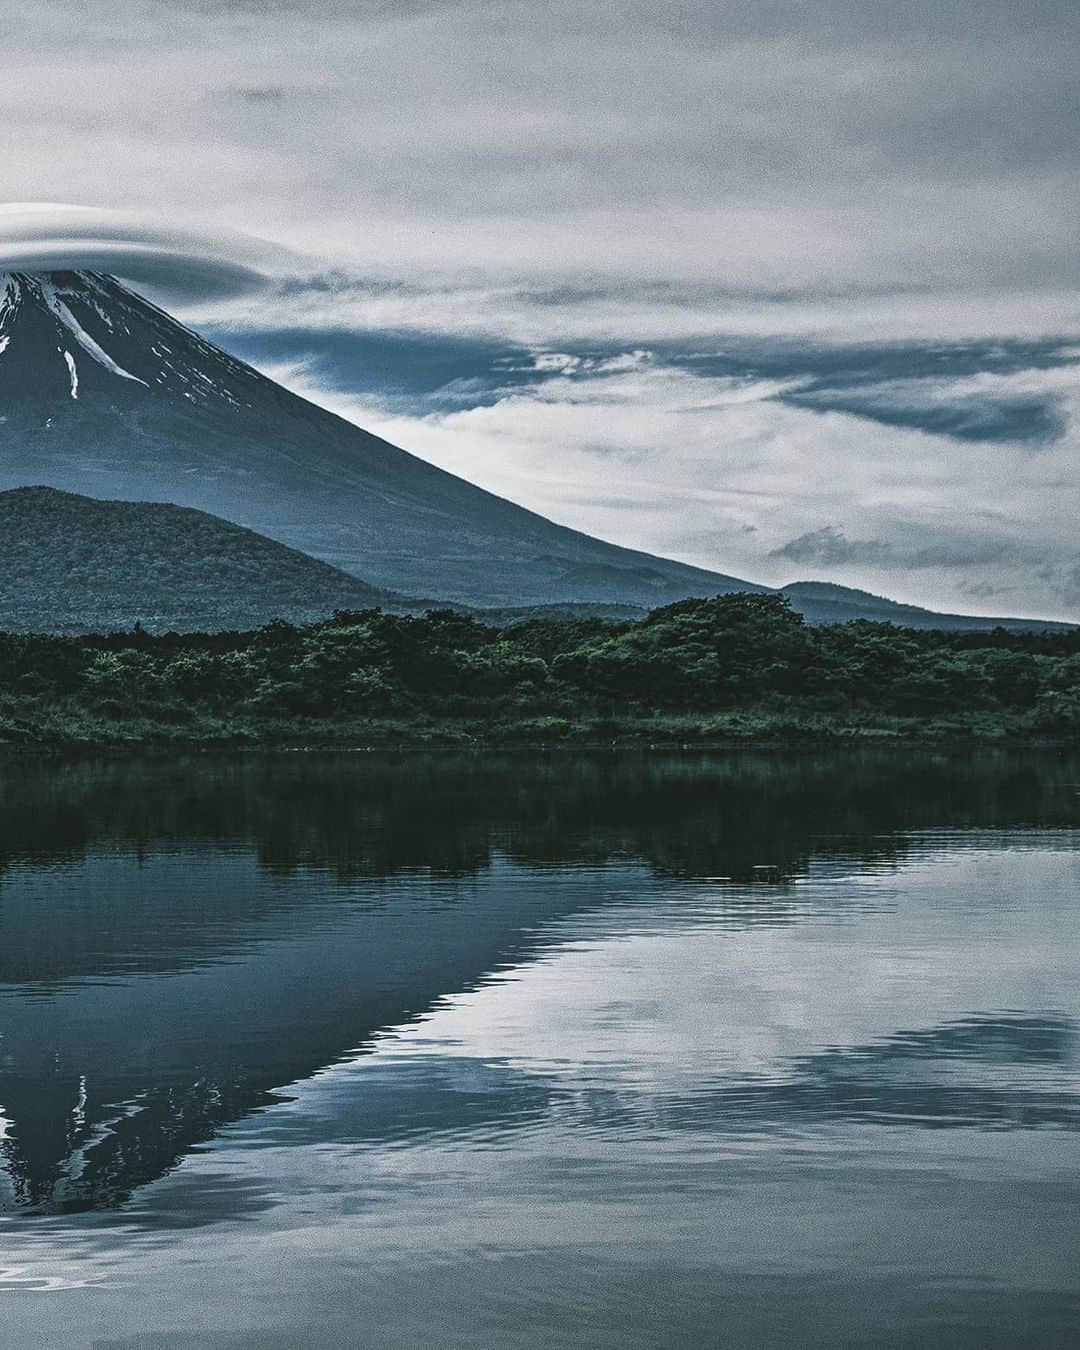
<point>37,237</point>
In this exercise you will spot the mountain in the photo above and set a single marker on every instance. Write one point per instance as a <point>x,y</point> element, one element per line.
<point>71,565</point>
<point>104,394</point>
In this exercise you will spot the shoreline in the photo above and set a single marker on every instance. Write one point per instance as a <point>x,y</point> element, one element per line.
<point>839,741</point>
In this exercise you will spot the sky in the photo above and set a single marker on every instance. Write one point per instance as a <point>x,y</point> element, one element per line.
<point>785,289</point>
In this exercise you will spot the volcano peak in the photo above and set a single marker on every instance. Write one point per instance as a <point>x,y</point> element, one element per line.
<point>70,335</point>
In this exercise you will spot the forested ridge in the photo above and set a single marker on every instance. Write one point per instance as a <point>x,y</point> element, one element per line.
<point>733,667</point>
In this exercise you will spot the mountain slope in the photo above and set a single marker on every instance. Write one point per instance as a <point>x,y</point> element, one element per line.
<point>72,565</point>
<point>106,395</point>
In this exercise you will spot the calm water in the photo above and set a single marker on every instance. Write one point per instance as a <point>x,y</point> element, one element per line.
<point>505,1053</point>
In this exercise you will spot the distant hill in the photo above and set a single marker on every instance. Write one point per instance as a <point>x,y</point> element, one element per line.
<point>821,602</point>
<point>71,564</point>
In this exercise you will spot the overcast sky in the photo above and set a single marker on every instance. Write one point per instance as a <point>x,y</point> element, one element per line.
<point>789,289</point>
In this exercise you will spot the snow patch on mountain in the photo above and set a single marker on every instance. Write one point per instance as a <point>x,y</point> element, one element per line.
<point>45,315</point>
<point>51,295</point>
<point>9,296</point>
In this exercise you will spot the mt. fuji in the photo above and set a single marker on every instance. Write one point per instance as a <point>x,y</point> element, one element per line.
<point>104,394</point>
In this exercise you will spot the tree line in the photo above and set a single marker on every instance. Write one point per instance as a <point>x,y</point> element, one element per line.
<point>739,664</point>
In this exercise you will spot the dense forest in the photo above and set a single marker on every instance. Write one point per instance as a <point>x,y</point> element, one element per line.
<point>738,667</point>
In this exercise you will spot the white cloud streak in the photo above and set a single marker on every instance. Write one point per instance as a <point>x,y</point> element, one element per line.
<point>171,258</point>
<point>718,472</point>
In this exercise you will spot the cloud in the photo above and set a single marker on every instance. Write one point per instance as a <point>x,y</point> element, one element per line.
<point>983,413</point>
<point>721,471</point>
<point>614,309</point>
<point>1068,585</point>
<point>831,547</point>
<point>696,167</point>
<point>170,259</point>
<point>984,590</point>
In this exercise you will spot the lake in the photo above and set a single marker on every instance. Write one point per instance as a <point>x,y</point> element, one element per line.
<point>565,1051</point>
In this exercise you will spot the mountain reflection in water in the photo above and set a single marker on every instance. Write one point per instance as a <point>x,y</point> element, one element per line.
<point>477,953</point>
